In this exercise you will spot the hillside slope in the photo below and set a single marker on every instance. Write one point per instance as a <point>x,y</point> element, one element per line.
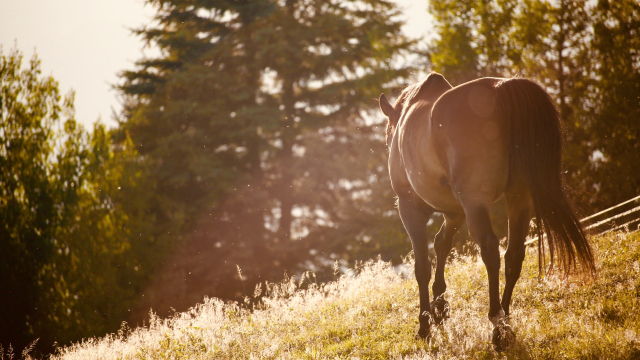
<point>374,315</point>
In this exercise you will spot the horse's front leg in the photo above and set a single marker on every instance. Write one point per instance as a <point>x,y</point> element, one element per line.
<point>414,214</point>
<point>443,245</point>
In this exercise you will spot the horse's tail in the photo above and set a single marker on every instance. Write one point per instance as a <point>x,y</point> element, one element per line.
<point>536,153</point>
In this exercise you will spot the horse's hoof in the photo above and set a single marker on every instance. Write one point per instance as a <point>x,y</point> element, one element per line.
<point>503,337</point>
<point>423,334</point>
<point>440,309</point>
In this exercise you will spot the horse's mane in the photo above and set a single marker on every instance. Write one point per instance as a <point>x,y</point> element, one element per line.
<point>409,93</point>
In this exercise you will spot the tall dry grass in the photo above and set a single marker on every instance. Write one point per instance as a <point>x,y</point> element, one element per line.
<point>372,314</point>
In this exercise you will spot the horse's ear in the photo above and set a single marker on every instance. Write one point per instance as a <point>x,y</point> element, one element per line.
<point>385,106</point>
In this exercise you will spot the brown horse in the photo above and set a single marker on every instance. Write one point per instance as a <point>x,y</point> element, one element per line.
<point>458,150</point>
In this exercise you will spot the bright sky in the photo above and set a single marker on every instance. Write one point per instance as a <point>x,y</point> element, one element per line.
<point>84,44</point>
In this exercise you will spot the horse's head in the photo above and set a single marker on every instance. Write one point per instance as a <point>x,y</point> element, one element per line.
<point>428,89</point>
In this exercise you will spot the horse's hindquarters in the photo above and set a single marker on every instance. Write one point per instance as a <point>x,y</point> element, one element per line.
<point>472,140</point>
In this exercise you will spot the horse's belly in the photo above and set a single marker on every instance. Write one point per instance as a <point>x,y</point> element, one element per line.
<point>433,187</point>
<point>422,166</point>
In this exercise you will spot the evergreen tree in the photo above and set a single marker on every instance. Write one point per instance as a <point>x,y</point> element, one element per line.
<point>251,119</point>
<point>473,39</point>
<point>614,102</point>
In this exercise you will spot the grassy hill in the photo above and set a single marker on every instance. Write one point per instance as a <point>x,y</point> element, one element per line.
<point>372,314</point>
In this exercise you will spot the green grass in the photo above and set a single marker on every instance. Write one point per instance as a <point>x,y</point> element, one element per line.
<point>373,315</point>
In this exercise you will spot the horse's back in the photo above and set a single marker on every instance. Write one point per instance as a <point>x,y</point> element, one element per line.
<point>472,138</point>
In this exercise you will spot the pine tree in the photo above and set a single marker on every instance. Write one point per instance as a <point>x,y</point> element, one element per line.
<point>614,103</point>
<point>245,106</point>
<point>473,39</point>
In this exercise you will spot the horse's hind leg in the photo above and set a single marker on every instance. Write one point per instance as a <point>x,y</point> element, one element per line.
<point>479,223</point>
<point>520,205</point>
<point>414,214</point>
<point>443,245</point>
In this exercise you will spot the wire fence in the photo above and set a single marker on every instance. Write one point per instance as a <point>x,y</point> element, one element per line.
<point>624,216</point>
